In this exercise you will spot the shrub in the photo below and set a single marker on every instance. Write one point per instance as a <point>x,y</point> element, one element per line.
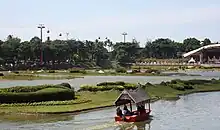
<point>178,87</point>
<point>67,85</point>
<point>152,71</point>
<point>1,74</point>
<point>163,83</point>
<point>148,84</point>
<point>196,82</point>
<point>29,97</point>
<point>78,71</point>
<point>22,89</point>
<point>121,70</point>
<point>119,88</point>
<point>106,88</point>
<point>175,81</point>
<point>130,86</point>
<point>16,72</point>
<point>136,71</point>
<point>111,83</point>
<point>50,90</point>
<point>188,87</point>
<point>51,71</point>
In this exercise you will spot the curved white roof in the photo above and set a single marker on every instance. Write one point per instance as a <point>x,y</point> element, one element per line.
<point>199,49</point>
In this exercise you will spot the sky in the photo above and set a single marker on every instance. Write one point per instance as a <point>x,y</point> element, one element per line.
<point>90,19</point>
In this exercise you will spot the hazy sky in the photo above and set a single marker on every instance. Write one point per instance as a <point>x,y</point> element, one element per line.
<point>89,19</point>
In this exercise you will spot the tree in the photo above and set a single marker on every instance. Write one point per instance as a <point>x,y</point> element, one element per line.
<point>206,41</point>
<point>190,44</point>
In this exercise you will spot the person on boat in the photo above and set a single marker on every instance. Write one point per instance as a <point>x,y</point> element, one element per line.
<point>119,112</point>
<point>142,109</point>
<point>126,111</point>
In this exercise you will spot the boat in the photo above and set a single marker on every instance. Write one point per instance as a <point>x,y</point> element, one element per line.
<point>140,98</point>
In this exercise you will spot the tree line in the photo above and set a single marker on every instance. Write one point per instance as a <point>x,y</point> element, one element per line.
<point>102,53</point>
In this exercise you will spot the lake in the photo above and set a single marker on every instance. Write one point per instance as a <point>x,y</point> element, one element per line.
<point>198,111</point>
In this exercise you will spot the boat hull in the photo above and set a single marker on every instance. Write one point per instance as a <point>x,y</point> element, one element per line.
<point>134,118</point>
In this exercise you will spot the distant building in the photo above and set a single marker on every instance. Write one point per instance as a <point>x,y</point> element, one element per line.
<point>209,54</point>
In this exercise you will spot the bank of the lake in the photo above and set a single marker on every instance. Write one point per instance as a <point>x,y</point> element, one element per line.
<point>87,100</point>
<point>23,76</point>
<point>65,74</point>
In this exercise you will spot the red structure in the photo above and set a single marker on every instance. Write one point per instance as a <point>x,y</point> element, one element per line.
<point>140,99</point>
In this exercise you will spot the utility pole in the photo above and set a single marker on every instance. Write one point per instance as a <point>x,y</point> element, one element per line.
<point>41,26</point>
<point>124,34</point>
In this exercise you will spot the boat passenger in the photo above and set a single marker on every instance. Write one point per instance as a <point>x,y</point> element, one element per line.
<point>142,109</point>
<point>119,112</point>
<point>126,111</point>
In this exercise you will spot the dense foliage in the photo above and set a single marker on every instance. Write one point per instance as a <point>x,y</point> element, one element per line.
<point>59,54</point>
<point>176,84</point>
<point>29,94</point>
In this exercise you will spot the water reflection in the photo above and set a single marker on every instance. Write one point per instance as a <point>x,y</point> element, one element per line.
<point>135,126</point>
<point>34,118</point>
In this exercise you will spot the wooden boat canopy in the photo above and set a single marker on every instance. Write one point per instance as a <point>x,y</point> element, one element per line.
<point>137,96</point>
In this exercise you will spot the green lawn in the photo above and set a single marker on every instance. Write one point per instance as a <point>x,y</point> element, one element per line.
<point>96,100</point>
<point>27,76</point>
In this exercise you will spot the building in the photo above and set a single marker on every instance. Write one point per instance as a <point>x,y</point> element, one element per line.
<point>209,54</point>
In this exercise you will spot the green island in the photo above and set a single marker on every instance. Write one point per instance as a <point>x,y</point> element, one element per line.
<point>80,73</point>
<point>61,98</point>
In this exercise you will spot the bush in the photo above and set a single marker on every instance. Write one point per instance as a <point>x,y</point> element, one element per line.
<point>188,87</point>
<point>106,88</point>
<point>1,74</point>
<point>78,71</point>
<point>136,71</point>
<point>163,83</point>
<point>51,71</point>
<point>197,82</point>
<point>121,83</point>
<point>121,70</point>
<point>178,87</point>
<point>67,85</point>
<point>130,86</point>
<point>95,88</point>
<point>119,88</point>
<point>175,81</point>
<point>148,84</point>
<point>39,96</point>
<point>152,71</point>
<point>22,89</point>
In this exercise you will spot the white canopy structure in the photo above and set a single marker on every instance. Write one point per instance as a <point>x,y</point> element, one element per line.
<point>200,49</point>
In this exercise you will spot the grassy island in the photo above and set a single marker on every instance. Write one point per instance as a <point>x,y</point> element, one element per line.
<point>55,99</point>
<point>80,73</point>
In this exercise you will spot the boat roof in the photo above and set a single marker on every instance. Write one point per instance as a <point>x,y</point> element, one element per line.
<point>136,96</point>
<point>199,49</point>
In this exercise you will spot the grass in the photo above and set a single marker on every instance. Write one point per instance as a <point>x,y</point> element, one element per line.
<point>65,74</point>
<point>50,90</point>
<point>26,76</point>
<point>93,100</point>
<point>86,99</point>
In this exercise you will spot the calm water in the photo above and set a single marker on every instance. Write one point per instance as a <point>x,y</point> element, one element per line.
<point>193,112</point>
